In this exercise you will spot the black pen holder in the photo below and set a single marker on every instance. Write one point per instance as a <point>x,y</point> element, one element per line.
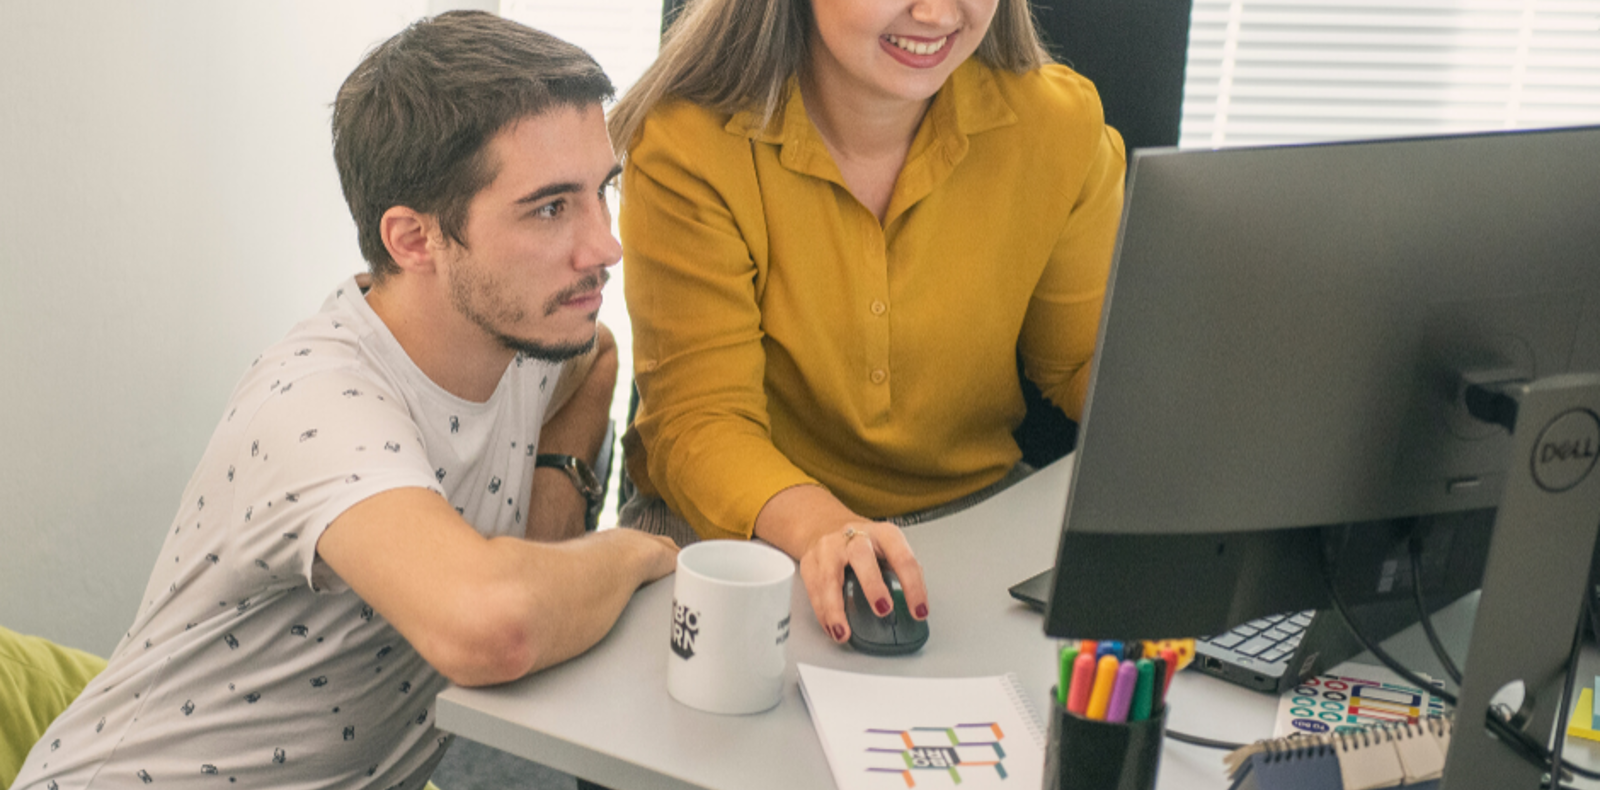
<point>1084,754</point>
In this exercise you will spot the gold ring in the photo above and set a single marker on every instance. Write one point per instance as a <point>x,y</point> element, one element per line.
<point>851,532</point>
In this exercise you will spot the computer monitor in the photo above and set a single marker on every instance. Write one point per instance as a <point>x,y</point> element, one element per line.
<point>1288,341</point>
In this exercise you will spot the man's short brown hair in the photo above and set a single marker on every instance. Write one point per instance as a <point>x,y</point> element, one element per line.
<point>411,124</point>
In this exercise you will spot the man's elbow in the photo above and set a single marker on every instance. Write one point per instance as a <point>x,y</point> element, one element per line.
<point>496,644</point>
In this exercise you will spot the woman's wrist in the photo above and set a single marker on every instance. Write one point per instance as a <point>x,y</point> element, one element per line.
<point>795,518</point>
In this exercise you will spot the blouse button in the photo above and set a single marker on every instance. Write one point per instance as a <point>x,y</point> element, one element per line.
<point>878,376</point>
<point>879,308</point>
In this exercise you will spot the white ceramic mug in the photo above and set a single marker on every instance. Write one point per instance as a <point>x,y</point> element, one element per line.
<point>730,626</point>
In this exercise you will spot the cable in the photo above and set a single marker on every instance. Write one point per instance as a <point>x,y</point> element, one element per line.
<point>1513,736</point>
<point>1208,743</point>
<point>1566,692</point>
<point>1378,652</point>
<point>1426,618</point>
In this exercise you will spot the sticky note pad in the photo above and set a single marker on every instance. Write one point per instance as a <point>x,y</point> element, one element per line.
<point>1581,723</point>
<point>1596,717</point>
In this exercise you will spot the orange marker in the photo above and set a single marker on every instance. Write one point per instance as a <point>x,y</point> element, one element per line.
<point>1087,646</point>
<point>1105,676</point>
<point>1082,683</point>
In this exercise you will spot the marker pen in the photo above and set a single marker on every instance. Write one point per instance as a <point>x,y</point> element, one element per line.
<point>1144,691</point>
<point>1105,677</point>
<point>1069,654</point>
<point>1122,692</point>
<point>1082,683</point>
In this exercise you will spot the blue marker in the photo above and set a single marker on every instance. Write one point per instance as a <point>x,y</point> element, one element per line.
<point>1109,648</point>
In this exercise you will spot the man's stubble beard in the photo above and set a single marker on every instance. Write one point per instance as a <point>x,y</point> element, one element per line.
<point>473,296</point>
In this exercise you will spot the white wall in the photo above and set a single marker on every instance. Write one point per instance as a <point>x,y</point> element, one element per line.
<point>168,207</point>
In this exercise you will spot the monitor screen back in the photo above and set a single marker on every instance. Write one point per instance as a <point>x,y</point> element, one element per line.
<point>1285,340</point>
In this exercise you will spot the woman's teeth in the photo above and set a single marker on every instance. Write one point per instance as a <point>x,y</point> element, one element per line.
<point>918,47</point>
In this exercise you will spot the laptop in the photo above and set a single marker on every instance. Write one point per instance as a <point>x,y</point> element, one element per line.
<point>1271,654</point>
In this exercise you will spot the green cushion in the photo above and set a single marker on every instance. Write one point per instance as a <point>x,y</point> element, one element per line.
<point>38,679</point>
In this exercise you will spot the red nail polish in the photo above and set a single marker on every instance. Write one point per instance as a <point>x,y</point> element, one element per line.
<point>838,633</point>
<point>882,606</point>
<point>922,611</point>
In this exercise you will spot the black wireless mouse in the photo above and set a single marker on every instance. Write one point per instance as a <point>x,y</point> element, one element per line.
<point>894,634</point>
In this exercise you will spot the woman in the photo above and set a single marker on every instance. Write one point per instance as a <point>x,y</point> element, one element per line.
<point>841,219</point>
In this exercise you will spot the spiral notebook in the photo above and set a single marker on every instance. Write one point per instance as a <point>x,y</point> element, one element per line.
<point>1407,755</point>
<point>883,732</point>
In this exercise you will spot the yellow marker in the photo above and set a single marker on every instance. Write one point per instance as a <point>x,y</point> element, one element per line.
<point>1105,676</point>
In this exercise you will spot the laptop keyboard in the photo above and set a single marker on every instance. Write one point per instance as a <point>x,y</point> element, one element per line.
<point>1269,639</point>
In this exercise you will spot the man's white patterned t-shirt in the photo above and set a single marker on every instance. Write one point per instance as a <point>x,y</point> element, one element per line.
<point>250,663</point>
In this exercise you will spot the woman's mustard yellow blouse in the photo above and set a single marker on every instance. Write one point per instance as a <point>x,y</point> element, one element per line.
<point>784,336</point>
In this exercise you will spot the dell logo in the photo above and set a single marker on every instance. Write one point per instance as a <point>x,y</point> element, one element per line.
<point>1566,450</point>
<point>1574,450</point>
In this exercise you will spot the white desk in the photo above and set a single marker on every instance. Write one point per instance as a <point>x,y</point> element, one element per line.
<point>606,715</point>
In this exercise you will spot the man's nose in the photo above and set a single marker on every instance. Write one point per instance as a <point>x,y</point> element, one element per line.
<point>597,247</point>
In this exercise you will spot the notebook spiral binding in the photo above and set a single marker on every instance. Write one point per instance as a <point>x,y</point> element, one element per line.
<point>1290,749</point>
<point>1308,747</point>
<point>1020,700</point>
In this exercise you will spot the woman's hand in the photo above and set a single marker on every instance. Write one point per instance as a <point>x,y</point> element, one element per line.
<point>860,545</point>
<point>812,525</point>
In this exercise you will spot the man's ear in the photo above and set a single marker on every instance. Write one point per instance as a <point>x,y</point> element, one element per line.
<point>411,238</point>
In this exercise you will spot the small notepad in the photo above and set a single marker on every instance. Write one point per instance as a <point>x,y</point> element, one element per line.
<point>1406,754</point>
<point>1308,766</point>
<point>1581,723</point>
<point>1368,760</point>
<point>1422,748</point>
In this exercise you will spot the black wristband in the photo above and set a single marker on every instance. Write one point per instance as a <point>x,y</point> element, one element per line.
<point>577,471</point>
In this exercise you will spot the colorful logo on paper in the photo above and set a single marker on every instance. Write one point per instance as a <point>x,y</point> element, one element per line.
<point>938,751</point>
<point>1340,703</point>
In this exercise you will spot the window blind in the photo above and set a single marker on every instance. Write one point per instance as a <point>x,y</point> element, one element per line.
<point>1284,71</point>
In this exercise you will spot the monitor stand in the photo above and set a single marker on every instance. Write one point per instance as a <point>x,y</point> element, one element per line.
<point>1537,572</point>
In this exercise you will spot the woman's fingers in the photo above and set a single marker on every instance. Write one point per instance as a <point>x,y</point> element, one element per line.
<point>894,549</point>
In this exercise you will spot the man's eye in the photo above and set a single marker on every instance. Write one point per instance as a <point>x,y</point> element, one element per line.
<point>551,210</point>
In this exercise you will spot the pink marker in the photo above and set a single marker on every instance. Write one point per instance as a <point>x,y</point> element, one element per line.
<point>1122,692</point>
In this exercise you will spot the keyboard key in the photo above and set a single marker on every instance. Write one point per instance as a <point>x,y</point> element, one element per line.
<point>1227,640</point>
<point>1260,624</point>
<point>1302,619</point>
<point>1246,630</point>
<point>1255,646</point>
<point>1278,634</point>
<point>1275,654</point>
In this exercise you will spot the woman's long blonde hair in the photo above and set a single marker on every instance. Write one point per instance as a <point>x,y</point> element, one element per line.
<point>734,55</point>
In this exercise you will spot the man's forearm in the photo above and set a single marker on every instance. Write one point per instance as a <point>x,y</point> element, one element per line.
<point>578,429</point>
<point>583,587</point>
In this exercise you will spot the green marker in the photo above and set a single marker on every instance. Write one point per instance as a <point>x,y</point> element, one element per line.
<point>1069,654</point>
<point>1144,693</point>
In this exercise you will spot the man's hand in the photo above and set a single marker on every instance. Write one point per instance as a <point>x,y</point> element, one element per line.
<point>811,524</point>
<point>580,411</point>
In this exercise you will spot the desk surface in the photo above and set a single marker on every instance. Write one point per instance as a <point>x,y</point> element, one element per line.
<point>606,715</point>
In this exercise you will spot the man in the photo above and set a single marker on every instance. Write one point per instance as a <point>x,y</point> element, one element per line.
<point>367,523</point>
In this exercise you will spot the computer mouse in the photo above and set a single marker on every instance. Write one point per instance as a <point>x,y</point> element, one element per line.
<point>894,634</point>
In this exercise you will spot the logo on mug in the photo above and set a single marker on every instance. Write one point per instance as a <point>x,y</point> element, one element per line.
<point>685,627</point>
